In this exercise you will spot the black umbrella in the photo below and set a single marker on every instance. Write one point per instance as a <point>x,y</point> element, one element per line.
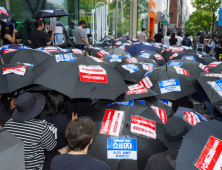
<point>15,77</point>
<point>54,49</point>
<point>201,147</point>
<point>170,51</point>
<point>189,56</point>
<point>151,55</point>
<point>5,14</point>
<point>93,50</point>
<point>215,66</point>
<point>78,76</point>
<point>51,13</point>
<point>208,59</point>
<point>146,147</point>
<point>25,56</point>
<point>194,68</point>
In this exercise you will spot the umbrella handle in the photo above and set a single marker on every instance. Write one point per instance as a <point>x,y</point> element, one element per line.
<point>2,60</point>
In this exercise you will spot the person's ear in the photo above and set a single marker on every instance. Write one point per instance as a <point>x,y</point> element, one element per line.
<point>91,141</point>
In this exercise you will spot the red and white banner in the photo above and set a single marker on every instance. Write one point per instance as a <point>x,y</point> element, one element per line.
<point>112,122</point>
<point>19,70</point>
<point>9,50</point>
<point>143,127</point>
<point>136,89</point>
<point>214,75</point>
<point>174,55</point>
<point>162,51</point>
<point>97,59</point>
<point>203,67</point>
<point>77,51</point>
<point>146,82</point>
<point>180,70</point>
<point>146,67</point>
<point>131,60</point>
<point>177,50</point>
<point>93,73</point>
<point>134,40</point>
<point>211,156</point>
<point>50,49</point>
<point>158,57</point>
<point>161,113</point>
<point>167,50</point>
<point>101,53</point>
<point>191,118</point>
<point>214,64</point>
<point>123,48</point>
<point>3,11</point>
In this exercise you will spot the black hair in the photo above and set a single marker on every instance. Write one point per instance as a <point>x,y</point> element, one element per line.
<point>201,40</point>
<point>143,29</point>
<point>54,103</point>
<point>220,36</point>
<point>82,22</point>
<point>172,39</point>
<point>179,33</point>
<point>187,35</point>
<point>211,37</point>
<point>160,30</point>
<point>168,33</point>
<point>199,33</point>
<point>37,23</point>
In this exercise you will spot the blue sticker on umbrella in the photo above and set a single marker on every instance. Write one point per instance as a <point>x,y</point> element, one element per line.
<point>39,49</point>
<point>168,103</point>
<point>141,101</point>
<point>148,72</point>
<point>24,47</point>
<point>191,58</point>
<point>5,46</point>
<point>145,55</point>
<point>122,148</point>
<point>115,58</point>
<point>131,68</point>
<point>172,63</point>
<point>130,102</point>
<point>201,117</point>
<point>150,65</point>
<point>128,55</point>
<point>65,57</point>
<point>169,85</point>
<point>62,49</point>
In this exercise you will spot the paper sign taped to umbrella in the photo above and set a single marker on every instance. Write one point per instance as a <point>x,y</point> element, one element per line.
<point>174,55</point>
<point>144,55</point>
<point>5,46</point>
<point>161,113</point>
<point>128,55</point>
<point>172,63</point>
<point>77,51</point>
<point>136,89</point>
<point>169,85</point>
<point>177,50</point>
<point>122,148</point>
<point>97,59</point>
<point>191,58</point>
<point>167,50</point>
<point>130,102</point>
<point>50,49</point>
<point>211,156</point>
<point>191,118</point>
<point>131,68</point>
<point>146,82</point>
<point>142,102</point>
<point>24,47</point>
<point>101,53</point>
<point>181,71</point>
<point>115,58</point>
<point>112,122</point>
<point>135,40</point>
<point>19,70</point>
<point>217,86</point>
<point>149,64</point>
<point>214,64</point>
<point>203,67</point>
<point>58,30</point>
<point>93,73</point>
<point>143,127</point>
<point>146,67</point>
<point>131,60</point>
<point>8,50</point>
<point>48,11</point>
<point>62,49</point>
<point>168,103</point>
<point>214,75</point>
<point>3,11</point>
<point>158,57</point>
<point>65,57</point>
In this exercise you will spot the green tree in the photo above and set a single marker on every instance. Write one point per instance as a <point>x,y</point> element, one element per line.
<point>210,6</point>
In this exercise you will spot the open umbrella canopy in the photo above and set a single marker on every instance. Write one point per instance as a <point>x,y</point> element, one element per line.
<point>51,13</point>
<point>5,14</point>
<point>78,76</point>
<point>54,49</point>
<point>137,47</point>
<point>201,147</point>
<point>215,66</point>
<point>128,113</point>
<point>170,51</point>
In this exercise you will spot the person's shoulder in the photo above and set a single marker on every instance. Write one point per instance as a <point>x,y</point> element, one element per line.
<point>62,117</point>
<point>99,164</point>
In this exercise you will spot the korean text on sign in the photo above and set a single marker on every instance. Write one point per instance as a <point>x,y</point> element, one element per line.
<point>217,86</point>
<point>191,118</point>
<point>169,85</point>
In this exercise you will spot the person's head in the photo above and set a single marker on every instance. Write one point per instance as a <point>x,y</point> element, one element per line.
<point>80,133</point>
<point>14,23</point>
<point>168,33</point>
<point>143,30</point>
<point>179,33</point>
<point>174,130</point>
<point>211,38</point>
<point>187,35</point>
<point>47,25</point>
<point>220,37</point>
<point>40,19</point>
<point>173,36</point>
<point>38,25</point>
<point>201,39</point>
<point>54,103</point>
<point>82,23</point>
<point>6,25</point>
<point>199,34</point>
<point>160,30</point>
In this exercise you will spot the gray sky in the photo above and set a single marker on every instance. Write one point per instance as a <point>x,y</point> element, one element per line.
<point>191,9</point>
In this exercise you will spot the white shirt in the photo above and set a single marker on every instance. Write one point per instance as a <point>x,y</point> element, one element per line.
<point>179,40</point>
<point>166,40</point>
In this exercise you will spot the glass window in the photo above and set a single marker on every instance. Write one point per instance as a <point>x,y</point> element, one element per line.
<point>142,12</point>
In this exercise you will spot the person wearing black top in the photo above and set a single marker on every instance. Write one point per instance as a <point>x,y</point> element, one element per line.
<point>37,37</point>
<point>174,130</point>
<point>159,37</point>
<point>7,32</point>
<point>173,40</point>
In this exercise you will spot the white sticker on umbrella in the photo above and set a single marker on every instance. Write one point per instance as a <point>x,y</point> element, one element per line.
<point>48,10</point>
<point>115,58</point>
<point>94,73</point>
<point>112,122</point>
<point>131,60</point>
<point>144,55</point>
<point>211,156</point>
<point>136,89</point>
<point>8,50</point>
<point>169,85</point>
<point>158,57</point>
<point>131,68</point>
<point>146,67</point>
<point>161,113</point>
<point>217,86</point>
<point>134,40</point>
<point>128,55</point>
<point>77,51</point>
<point>174,55</point>
<point>3,11</point>
<point>177,50</point>
<point>19,70</point>
<point>181,71</point>
<point>203,67</point>
<point>191,118</point>
<point>146,82</point>
<point>64,57</point>
<point>214,75</point>
<point>50,49</point>
<point>214,64</point>
<point>97,59</point>
<point>173,63</point>
<point>62,49</point>
<point>101,53</point>
<point>191,58</point>
<point>143,127</point>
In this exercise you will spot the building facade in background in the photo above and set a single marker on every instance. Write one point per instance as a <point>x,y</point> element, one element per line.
<point>151,25</point>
